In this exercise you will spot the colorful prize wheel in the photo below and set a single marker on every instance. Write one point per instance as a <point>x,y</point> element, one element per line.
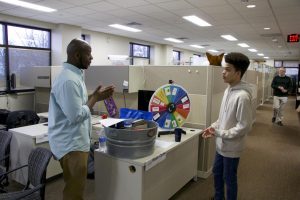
<point>170,105</point>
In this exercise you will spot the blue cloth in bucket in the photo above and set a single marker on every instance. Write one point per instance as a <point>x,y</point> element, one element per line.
<point>126,113</point>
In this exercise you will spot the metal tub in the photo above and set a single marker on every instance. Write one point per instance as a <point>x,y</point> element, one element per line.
<point>132,142</point>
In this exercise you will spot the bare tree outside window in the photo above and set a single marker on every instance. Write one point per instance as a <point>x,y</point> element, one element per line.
<point>140,51</point>
<point>1,34</point>
<point>2,70</point>
<point>19,36</point>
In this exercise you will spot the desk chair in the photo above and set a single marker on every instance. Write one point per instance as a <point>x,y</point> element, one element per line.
<point>35,188</point>
<point>5,138</point>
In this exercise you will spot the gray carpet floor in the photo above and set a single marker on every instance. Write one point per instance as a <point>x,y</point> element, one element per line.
<point>269,167</point>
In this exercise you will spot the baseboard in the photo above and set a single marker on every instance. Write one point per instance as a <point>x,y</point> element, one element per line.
<point>204,174</point>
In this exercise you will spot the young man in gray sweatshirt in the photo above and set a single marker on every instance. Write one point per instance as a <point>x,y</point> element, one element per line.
<point>232,126</point>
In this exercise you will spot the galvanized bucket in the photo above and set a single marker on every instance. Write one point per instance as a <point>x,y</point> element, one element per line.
<point>132,142</point>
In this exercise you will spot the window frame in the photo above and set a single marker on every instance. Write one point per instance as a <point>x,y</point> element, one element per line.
<point>179,56</point>
<point>144,45</point>
<point>6,48</point>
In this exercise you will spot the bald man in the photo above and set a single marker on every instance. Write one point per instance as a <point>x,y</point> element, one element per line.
<point>281,84</point>
<point>69,124</point>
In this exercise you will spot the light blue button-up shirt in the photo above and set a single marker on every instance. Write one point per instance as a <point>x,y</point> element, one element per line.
<point>69,123</point>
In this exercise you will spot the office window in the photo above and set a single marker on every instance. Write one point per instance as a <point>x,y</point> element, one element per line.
<point>27,47</point>
<point>278,63</point>
<point>2,70</point>
<point>1,34</point>
<point>139,53</point>
<point>18,61</point>
<point>140,50</point>
<point>176,57</point>
<point>28,37</point>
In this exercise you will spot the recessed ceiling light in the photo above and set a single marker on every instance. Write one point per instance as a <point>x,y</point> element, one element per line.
<point>260,54</point>
<point>243,45</point>
<point>267,28</point>
<point>266,57</point>
<point>125,28</point>
<point>196,20</point>
<point>274,40</point>
<point>252,50</point>
<point>251,6</point>
<point>173,40</point>
<point>229,37</point>
<point>212,50</point>
<point>197,46</point>
<point>28,5</point>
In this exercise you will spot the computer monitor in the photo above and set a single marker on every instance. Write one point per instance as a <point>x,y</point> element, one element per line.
<point>144,97</point>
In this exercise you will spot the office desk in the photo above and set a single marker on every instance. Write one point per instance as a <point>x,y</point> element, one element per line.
<point>157,176</point>
<point>24,140</point>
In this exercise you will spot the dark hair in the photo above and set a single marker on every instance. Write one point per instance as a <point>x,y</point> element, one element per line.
<point>239,61</point>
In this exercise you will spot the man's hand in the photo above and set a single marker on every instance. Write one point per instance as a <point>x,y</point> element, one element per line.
<point>102,93</point>
<point>282,89</point>
<point>209,132</point>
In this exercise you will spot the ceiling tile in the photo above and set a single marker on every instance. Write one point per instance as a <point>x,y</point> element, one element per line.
<point>175,5</point>
<point>101,6</point>
<point>78,11</point>
<point>128,3</point>
<point>79,2</point>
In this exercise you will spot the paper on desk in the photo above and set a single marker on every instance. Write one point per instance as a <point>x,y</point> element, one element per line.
<point>110,121</point>
<point>163,144</point>
<point>41,138</point>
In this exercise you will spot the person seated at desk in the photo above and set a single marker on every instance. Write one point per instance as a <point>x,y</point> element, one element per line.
<point>69,121</point>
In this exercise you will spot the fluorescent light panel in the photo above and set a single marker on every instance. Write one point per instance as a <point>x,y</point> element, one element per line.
<point>197,46</point>
<point>229,37</point>
<point>212,50</point>
<point>243,45</point>
<point>260,54</point>
<point>196,20</point>
<point>266,57</point>
<point>252,50</point>
<point>251,6</point>
<point>125,28</point>
<point>28,5</point>
<point>173,40</point>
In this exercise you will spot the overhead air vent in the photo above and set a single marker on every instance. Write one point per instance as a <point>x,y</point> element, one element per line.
<point>182,38</point>
<point>133,24</point>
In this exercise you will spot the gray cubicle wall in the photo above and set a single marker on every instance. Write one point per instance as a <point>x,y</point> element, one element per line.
<point>192,78</point>
<point>255,78</point>
<point>215,90</point>
<point>106,75</point>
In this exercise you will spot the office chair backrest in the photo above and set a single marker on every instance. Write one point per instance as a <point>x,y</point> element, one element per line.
<point>3,115</point>
<point>37,166</point>
<point>21,118</point>
<point>5,138</point>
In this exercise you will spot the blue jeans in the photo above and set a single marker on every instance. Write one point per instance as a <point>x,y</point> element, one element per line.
<point>225,169</point>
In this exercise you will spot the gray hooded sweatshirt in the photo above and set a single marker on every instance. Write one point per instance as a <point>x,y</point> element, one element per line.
<point>235,120</point>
